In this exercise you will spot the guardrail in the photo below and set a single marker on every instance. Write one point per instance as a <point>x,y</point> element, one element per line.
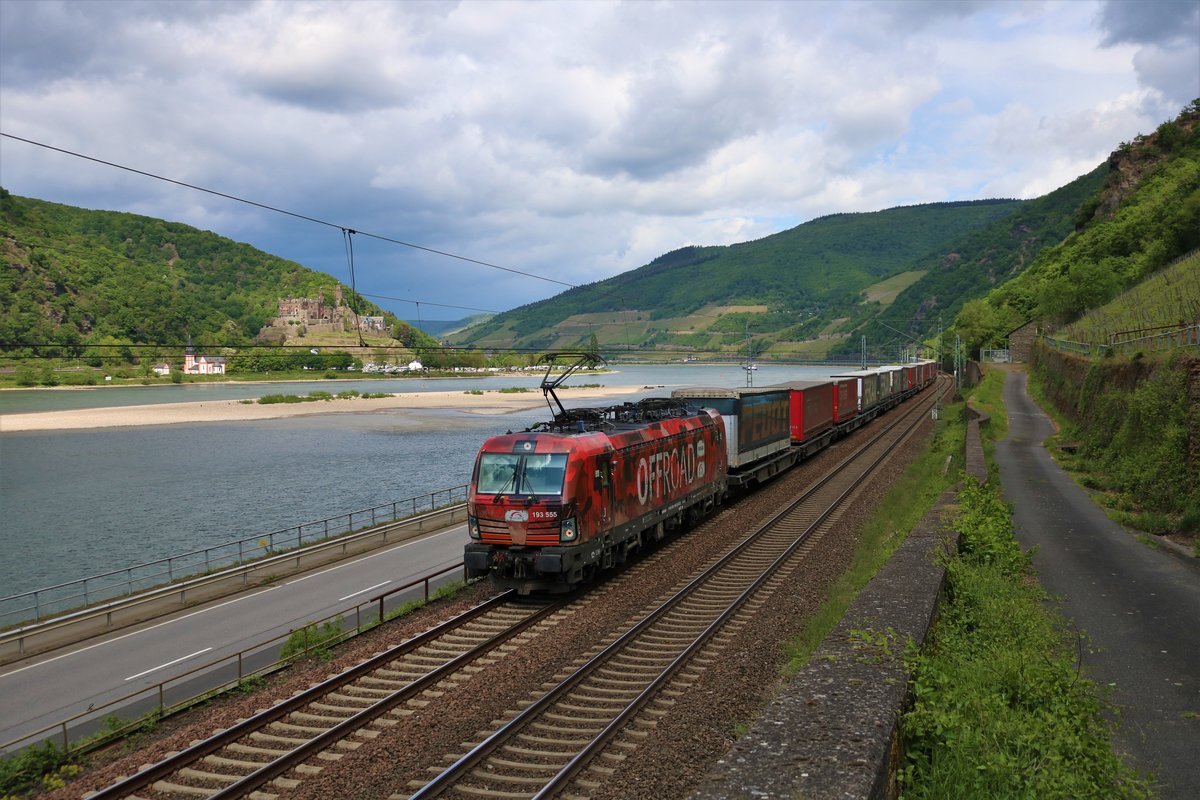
<point>101,724</point>
<point>75,626</point>
<point>1177,337</point>
<point>38,604</point>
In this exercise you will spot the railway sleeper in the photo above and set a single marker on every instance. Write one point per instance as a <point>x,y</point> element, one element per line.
<point>308,769</point>
<point>625,682</point>
<point>395,672</point>
<point>232,763</point>
<point>610,705</point>
<point>385,684</point>
<point>529,752</point>
<point>367,691</point>
<point>267,753</point>
<point>290,742</point>
<point>554,741</point>
<point>491,794</point>
<point>290,727</point>
<point>654,662</point>
<point>351,700</point>
<point>193,774</point>
<point>328,720</point>
<point>421,664</point>
<point>504,763</point>
<point>167,787</point>
<point>543,726</point>
<point>516,780</point>
<point>601,695</point>
<point>597,716</point>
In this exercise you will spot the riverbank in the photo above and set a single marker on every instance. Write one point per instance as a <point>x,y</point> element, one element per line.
<point>487,403</point>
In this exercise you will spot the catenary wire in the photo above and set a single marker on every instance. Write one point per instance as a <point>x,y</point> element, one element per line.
<point>286,212</point>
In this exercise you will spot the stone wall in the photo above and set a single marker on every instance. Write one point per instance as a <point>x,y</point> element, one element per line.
<point>1193,367</point>
<point>1020,342</point>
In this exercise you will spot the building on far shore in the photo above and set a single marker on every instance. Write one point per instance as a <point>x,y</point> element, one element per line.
<point>162,368</point>
<point>202,365</point>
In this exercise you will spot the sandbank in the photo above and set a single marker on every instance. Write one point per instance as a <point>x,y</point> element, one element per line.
<point>490,402</point>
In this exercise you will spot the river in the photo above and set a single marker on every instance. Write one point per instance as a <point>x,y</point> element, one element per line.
<point>77,503</point>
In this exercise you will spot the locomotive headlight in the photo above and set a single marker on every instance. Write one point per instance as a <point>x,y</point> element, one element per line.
<point>473,527</point>
<point>568,531</point>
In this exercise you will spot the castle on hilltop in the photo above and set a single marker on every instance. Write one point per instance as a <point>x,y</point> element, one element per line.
<point>316,315</point>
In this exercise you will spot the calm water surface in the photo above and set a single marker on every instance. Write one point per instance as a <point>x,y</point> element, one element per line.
<point>77,503</point>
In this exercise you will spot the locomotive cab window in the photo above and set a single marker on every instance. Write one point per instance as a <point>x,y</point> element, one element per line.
<point>509,473</point>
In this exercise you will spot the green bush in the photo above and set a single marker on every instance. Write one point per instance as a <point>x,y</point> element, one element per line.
<point>27,770</point>
<point>1000,710</point>
<point>313,640</point>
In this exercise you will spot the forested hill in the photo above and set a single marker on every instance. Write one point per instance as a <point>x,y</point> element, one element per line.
<point>804,277</point>
<point>971,266</point>
<point>74,277</point>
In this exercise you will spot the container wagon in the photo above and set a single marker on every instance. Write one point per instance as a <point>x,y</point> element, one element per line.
<point>758,428</point>
<point>867,386</point>
<point>811,405</point>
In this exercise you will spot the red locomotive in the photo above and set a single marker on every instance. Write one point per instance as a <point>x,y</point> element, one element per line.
<point>550,506</point>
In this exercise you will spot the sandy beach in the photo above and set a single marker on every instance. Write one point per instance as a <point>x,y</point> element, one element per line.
<point>490,402</point>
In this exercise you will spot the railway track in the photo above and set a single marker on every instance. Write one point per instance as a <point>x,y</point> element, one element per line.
<point>567,742</point>
<point>334,715</point>
<point>562,744</point>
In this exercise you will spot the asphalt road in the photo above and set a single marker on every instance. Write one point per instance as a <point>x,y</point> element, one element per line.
<point>1138,606</point>
<point>44,690</point>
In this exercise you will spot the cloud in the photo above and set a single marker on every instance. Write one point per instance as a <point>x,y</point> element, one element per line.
<point>1166,36</point>
<point>1156,22</point>
<point>571,140</point>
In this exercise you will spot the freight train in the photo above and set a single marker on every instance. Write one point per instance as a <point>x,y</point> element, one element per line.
<point>551,506</point>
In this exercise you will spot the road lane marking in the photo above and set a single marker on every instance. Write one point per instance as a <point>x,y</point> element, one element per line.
<point>135,633</point>
<point>457,529</point>
<point>363,591</point>
<point>169,664</point>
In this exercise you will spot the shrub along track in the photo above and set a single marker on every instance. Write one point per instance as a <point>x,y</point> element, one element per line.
<point>701,723</point>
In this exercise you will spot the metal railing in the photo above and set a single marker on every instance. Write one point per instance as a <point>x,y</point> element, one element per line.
<point>105,722</point>
<point>1172,339</point>
<point>36,605</point>
<point>1187,336</point>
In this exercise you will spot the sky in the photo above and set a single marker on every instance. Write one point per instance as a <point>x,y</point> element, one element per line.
<point>541,145</point>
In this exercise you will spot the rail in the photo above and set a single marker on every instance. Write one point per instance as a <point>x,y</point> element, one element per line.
<point>103,723</point>
<point>36,605</point>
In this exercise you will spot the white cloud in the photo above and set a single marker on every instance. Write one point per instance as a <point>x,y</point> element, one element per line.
<point>572,140</point>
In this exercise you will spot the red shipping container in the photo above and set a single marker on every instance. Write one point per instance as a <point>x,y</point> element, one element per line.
<point>811,404</point>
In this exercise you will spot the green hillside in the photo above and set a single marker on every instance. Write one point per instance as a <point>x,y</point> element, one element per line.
<point>1146,216</point>
<point>790,285</point>
<point>971,266</point>
<point>75,277</point>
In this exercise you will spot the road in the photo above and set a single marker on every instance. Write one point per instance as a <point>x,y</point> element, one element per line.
<point>44,690</point>
<point>1138,606</point>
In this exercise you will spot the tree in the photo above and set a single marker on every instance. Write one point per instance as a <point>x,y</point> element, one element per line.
<point>977,324</point>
